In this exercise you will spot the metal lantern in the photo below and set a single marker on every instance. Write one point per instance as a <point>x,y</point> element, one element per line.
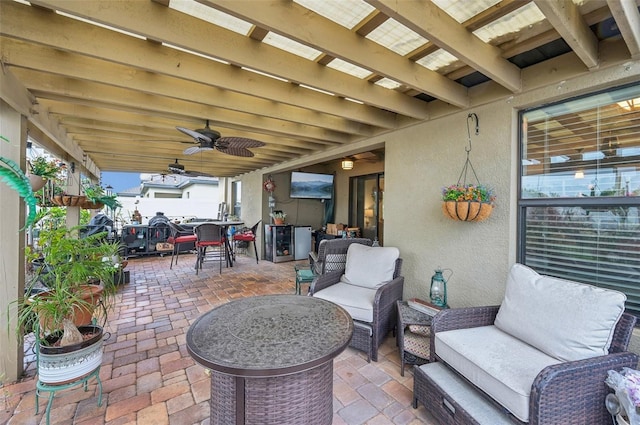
<point>438,291</point>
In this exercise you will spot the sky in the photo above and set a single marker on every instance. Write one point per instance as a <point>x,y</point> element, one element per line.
<point>120,181</point>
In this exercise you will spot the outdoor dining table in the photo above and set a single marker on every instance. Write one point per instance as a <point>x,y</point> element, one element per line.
<point>271,358</point>
<point>225,227</point>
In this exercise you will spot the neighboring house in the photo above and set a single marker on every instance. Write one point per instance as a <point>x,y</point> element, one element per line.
<point>178,197</point>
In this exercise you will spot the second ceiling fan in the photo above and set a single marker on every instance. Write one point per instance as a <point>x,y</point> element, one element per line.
<point>208,139</point>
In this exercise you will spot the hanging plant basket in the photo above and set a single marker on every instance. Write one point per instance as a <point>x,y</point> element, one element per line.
<point>68,200</point>
<point>37,182</point>
<point>90,205</point>
<point>467,210</point>
<point>467,201</point>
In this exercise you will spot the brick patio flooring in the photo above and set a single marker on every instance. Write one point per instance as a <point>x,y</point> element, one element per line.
<point>149,378</point>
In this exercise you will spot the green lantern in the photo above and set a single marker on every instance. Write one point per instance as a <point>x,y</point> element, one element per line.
<point>438,291</point>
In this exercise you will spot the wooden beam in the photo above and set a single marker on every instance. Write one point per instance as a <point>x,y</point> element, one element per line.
<point>567,20</point>
<point>627,17</point>
<point>196,35</point>
<point>327,36</point>
<point>68,35</point>
<point>51,60</point>
<point>89,93</point>
<point>433,23</point>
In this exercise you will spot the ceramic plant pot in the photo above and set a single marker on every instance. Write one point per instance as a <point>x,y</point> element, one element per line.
<point>60,365</point>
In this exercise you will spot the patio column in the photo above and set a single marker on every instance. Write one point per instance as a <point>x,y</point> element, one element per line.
<point>73,188</point>
<point>13,127</point>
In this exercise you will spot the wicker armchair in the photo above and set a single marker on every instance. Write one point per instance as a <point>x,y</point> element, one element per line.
<point>368,336</point>
<point>332,254</point>
<point>571,392</point>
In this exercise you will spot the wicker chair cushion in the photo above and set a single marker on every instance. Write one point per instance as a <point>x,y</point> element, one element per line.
<point>507,379</point>
<point>357,300</point>
<point>370,267</point>
<point>565,319</point>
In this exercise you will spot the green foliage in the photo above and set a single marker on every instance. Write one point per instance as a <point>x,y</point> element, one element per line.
<point>43,167</point>
<point>280,215</point>
<point>95,193</point>
<point>468,192</point>
<point>71,264</point>
<point>15,178</point>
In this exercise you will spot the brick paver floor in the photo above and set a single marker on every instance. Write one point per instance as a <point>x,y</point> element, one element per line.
<point>149,378</point>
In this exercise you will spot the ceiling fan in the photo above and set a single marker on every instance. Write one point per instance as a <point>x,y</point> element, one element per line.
<point>177,168</point>
<point>208,139</point>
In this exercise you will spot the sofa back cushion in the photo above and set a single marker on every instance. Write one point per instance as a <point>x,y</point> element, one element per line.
<point>370,267</point>
<point>564,319</point>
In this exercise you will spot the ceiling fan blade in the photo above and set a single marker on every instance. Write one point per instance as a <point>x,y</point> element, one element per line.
<point>196,149</point>
<point>239,142</point>
<point>199,137</point>
<point>191,150</point>
<point>235,151</point>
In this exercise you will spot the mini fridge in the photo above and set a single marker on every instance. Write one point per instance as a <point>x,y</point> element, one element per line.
<point>302,240</point>
<point>278,240</point>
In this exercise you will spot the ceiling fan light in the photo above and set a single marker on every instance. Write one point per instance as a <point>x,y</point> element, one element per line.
<point>347,164</point>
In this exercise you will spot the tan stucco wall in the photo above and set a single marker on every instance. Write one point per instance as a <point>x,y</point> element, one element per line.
<point>422,159</point>
<point>419,162</point>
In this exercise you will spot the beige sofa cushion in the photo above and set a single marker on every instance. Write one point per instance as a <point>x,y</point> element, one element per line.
<point>478,354</point>
<point>370,267</point>
<point>357,300</point>
<point>566,320</point>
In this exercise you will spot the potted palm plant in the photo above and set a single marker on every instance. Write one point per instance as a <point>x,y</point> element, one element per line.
<point>74,276</point>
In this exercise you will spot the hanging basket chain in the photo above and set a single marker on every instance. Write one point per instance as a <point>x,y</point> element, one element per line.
<point>464,202</point>
<point>467,164</point>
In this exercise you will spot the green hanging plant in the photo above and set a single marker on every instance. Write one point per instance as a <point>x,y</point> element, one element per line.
<point>15,178</point>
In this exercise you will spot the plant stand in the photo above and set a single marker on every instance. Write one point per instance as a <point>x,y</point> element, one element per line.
<point>41,387</point>
<point>71,366</point>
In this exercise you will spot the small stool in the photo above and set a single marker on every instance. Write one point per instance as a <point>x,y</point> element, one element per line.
<point>303,275</point>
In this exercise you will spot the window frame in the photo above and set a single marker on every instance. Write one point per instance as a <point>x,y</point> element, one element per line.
<point>523,203</point>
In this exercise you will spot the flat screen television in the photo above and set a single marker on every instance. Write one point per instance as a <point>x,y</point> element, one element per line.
<point>311,185</point>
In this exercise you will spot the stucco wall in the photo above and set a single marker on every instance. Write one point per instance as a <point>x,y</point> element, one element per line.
<point>422,159</point>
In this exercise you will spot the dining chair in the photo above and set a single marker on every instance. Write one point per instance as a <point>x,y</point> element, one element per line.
<point>209,235</point>
<point>248,235</point>
<point>179,236</point>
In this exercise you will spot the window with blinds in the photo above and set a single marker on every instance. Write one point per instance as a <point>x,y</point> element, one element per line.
<point>579,203</point>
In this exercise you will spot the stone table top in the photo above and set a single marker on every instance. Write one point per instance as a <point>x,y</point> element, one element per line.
<point>269,335</point>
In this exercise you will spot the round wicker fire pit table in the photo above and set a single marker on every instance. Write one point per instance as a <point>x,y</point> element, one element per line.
<point>271,358</point>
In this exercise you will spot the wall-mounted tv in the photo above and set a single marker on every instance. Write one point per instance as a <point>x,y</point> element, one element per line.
<point>311,185</point>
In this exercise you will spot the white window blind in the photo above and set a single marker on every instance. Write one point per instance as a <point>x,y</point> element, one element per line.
<point>580,191</point>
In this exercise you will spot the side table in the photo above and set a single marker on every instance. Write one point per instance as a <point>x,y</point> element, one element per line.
<point>408,316</point>
<point>271,358</point>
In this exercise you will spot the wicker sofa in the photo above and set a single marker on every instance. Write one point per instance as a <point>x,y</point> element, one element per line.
<point>368,289</point>
<point>541,357</point>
